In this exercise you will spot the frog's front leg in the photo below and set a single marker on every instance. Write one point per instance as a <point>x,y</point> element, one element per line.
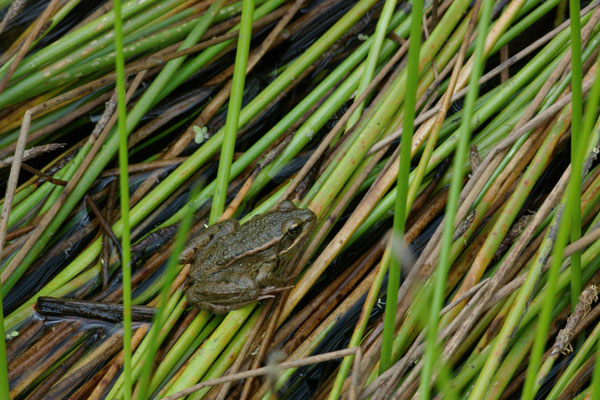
<point>269,277</point>
<point>205,238</point>
<point>220,297</point>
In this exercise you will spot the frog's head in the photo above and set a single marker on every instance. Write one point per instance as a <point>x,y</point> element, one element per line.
<point>297,225</point>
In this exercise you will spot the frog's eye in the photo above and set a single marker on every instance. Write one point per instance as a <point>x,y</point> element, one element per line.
<point>292,227</point>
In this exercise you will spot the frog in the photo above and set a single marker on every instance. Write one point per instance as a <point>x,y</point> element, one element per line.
<point>232,265</point>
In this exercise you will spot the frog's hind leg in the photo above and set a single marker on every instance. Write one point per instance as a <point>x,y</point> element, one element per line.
<point>271,291</point>
<point>222,308</point>
<point>220,296</point>
<point>205,238</point>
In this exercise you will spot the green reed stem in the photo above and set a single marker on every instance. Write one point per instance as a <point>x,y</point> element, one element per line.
<point>195,334</point>
<point>169,277</point>
<point>124,195</point>
<point>590,115</point>
<point>531,384</point>
<point>577,151</point>
<point>431,348</point>
<point>378,38</point>
<point>4,390</point>
<point>357,335</point>
<point>174,308</point>
<point>35,81</point>
<point>412,82</point>
<point>519,26</point>
<point>202,359</point>
<point>72,40</point>
<point>233,112</point>
<point>229,355</point>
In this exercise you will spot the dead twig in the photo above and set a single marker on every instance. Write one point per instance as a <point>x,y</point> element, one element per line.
<point>103,223</point>
<point>562,343</point>
<point>43,176</point>
<point>32,153</point>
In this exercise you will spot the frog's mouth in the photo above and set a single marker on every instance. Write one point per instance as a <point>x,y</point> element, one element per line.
<point>288,253</point>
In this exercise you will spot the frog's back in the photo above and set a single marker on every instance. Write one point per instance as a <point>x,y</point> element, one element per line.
<point>250,238</point>
<point>259,236</point>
